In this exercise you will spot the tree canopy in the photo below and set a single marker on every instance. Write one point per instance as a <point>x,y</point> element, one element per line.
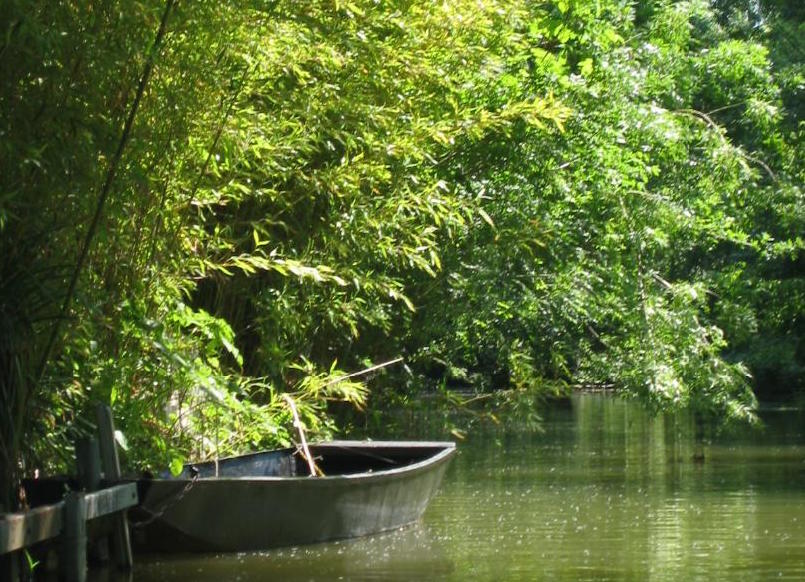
<point>206,205</point>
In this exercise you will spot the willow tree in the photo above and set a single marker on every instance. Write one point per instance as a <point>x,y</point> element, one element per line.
<point>624,251</point>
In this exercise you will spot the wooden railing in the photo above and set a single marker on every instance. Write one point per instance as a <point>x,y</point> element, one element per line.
<point>68,518</point>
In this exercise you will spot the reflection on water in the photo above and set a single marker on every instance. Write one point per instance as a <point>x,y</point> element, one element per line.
<point>604,492</point>
<point>409,554</point>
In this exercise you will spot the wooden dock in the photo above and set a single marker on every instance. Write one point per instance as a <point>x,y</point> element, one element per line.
<point>67,519</point>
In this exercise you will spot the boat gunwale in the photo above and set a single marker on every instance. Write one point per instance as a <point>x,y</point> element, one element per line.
<point>448,449</point>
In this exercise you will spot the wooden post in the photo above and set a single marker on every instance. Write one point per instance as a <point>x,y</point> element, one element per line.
<point>10,566</point>
<point>74,538</point>
<point>88,463</point>
<point>9,561</point>
<point>121,543</point>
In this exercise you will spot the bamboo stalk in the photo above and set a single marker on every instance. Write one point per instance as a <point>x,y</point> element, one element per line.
<point>105,190</point>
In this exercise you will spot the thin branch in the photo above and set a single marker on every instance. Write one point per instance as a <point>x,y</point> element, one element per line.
<point>725,107</point>
<point>314,471</point>
<point>702,117</point>
<point>362,372</point>
<point>596,335</point>
<point>218,133</point>
<point>479,398</point>
<point>761,163</point>
<point>720,131</point>
<point>662,281</point>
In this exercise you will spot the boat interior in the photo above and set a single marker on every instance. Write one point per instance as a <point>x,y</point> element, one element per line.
<point>329,458</point>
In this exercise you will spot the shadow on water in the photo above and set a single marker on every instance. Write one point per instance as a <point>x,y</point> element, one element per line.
<point>601,492</point>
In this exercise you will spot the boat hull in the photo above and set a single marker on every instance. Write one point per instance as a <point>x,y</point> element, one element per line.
<point>246,513</point>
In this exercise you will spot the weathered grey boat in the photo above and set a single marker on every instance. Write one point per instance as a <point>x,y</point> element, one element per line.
<point>265,500</point>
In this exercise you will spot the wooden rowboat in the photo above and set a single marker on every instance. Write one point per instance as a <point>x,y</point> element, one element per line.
<point>265,500</point>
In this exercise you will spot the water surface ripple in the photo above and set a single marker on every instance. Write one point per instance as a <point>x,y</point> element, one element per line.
<point>602,493</point>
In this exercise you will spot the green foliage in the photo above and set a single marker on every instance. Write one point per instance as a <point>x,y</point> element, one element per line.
<point>518,198</point>
<point>611,248</point>
<point>327,188</point>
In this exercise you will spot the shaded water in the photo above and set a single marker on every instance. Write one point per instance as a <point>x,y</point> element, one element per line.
<point>602,493</point>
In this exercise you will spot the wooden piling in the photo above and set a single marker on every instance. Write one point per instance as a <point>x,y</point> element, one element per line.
<point>10,566</point>
<point>110,463</point>
<point>88,467</point>
<point>74,538</point>
<point>88,463</point>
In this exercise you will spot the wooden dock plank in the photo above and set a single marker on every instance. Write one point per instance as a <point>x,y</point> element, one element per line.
<point>18,530</point>
<point>111,500</point>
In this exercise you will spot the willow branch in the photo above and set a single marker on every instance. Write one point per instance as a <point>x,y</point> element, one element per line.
<point>704,117</point>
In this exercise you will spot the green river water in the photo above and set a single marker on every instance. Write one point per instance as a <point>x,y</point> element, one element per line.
<point>603,492</point>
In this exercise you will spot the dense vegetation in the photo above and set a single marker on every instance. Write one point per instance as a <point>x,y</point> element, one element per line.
<point>205,205</point>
